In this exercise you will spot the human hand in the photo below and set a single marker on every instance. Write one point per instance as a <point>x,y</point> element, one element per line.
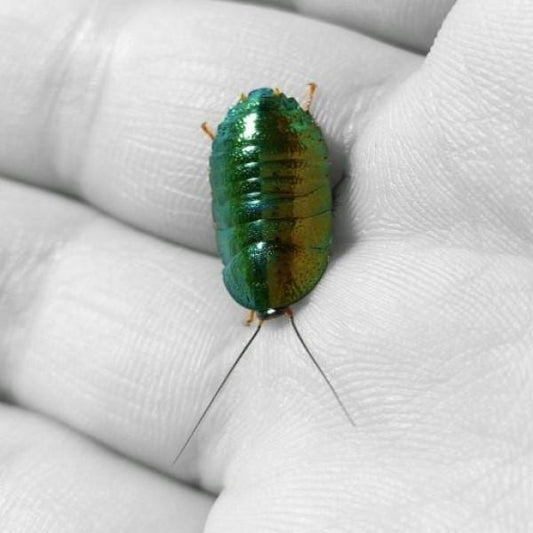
<point>118,333</point>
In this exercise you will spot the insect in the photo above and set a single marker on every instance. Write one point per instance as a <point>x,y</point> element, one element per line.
<point>272,209</point>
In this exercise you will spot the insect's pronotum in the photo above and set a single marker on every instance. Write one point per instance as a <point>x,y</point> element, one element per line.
<point>272,209</point>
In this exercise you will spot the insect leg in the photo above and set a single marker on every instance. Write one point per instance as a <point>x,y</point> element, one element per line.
<point>250,318</point>
<point>217,392</point>
<point>311,89</point>
<point>290,314</point>
<point>208,130</point>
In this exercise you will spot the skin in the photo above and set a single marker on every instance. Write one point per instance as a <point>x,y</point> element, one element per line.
<point>115,325</point>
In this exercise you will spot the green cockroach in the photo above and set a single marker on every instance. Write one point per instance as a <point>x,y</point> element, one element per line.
<point>272,209</point>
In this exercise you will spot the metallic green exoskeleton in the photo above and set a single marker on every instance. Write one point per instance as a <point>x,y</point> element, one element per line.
<point>271,201</point>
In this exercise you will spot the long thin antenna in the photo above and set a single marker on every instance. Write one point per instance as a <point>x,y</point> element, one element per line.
<point>220,387</point>
<point>315,362</point>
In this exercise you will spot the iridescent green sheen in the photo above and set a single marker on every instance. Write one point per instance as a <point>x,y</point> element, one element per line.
<point>271,201</point>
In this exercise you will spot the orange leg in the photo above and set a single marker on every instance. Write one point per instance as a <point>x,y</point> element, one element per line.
<point>250,318</point>
<point>311,89</point>
<point>277,91</point>
<point>207,129</point>
<point>289,312</point>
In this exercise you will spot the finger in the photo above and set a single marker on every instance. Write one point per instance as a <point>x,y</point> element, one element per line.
<point>450,156</point>
<point>52,476</point>
<point>110,107</point>
<point>105,328</point>
<point>409,23</point>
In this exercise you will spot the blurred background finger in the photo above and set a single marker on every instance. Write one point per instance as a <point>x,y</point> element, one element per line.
<point>60,482</point>
<point>409,23</point>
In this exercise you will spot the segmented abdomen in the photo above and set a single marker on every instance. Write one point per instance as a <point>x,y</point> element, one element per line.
<point>271,201</point>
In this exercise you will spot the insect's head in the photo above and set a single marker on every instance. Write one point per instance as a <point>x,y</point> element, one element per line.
<point>271,313</point>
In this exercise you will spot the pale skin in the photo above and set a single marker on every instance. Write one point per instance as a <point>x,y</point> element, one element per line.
<point>115,327</point>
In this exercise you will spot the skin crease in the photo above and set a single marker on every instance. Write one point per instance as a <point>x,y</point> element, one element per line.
<point>116,327</point>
